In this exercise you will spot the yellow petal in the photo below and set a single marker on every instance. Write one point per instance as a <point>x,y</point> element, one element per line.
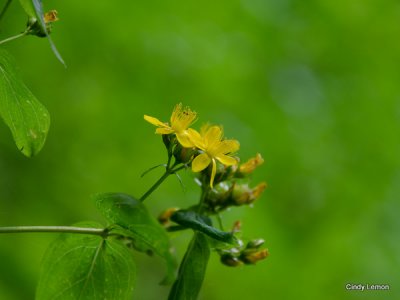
<point>227,160</point>
<point>164,131</point>
<point>200,162</point>
<point>184,140</point>
<point>188,117</point>
<point>213,136</point>
<point>155,121</point>
<point>181,118</point>
<point>227,146</point>
<point>177,111</point>
<point>204,128</point>
<point>213,172</point>
<point>195,138</point>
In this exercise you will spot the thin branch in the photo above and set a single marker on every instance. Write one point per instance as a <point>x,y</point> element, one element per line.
<point>14,37</point>
<point>65,229</point>
<point>151,169</point>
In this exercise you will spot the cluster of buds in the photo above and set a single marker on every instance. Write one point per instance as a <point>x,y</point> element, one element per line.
<point>248,255</point>
<point>232,188</point>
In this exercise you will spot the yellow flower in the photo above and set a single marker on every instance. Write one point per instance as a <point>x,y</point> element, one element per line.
<point>181,119</point>
<point>210,141</point>
<point>249,166</point>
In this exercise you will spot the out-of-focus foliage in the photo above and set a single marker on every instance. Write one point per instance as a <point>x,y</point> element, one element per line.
<point>311,85</point>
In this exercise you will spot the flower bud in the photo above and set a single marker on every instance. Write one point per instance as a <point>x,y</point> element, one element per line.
<point>243,194</point>
<point>219,195</point>
<point>255,244</point>
<point>249,166</point>
<point>183,155</point>
<point>35,27</point>
<point>167,140</point>
<point>250,257</point>
<point>165,216</point>
<point>230,260</point>
<point>50,16</point>
<point>237,226</point>
<point>225,172</point>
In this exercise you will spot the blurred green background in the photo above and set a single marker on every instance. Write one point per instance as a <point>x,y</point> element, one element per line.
<point>312,85</point>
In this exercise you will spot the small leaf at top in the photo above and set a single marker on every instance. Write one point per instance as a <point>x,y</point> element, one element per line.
<point>144,230</point>
<point>27,5</point>
<point>27,118</point>
<point>193,220</point>
<point>192,269</point>
<point>34,9</point>
<point>86,267</point>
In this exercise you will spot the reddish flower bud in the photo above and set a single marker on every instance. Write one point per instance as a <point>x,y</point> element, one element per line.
<point>252,257</point>
<point>249,166</point>
<point>164,217</point>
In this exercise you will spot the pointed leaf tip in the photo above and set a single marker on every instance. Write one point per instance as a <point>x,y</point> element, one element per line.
<point>27,118</point>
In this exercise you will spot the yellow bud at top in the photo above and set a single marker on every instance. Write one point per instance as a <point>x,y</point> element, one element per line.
<point>50,16</point>
<point>249,166</point>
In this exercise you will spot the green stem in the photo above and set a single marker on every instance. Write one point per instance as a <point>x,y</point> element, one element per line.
<point>5,9</point>
<point>65,229</point>
<point>168,172</point>
<point>155,186</point>
<point>178,169</point>
<point>204,191</point>
<point>221,226</point>
<point>169,157</point>
<point>14,37</point>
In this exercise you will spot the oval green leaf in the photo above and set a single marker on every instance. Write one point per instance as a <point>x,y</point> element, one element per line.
<point>193,220</point>
<point>144,230</point>
<point>192,269</point>
<point>86,267</point>
<point>27,118</point>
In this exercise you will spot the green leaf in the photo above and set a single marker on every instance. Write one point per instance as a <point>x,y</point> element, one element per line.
<point>26,117</point>
<point>147,234</point>
<point>27,5</point>
<point>192,269</point>
<point>34,9</point>
<point>201,223</point>
<point>80,266</point>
